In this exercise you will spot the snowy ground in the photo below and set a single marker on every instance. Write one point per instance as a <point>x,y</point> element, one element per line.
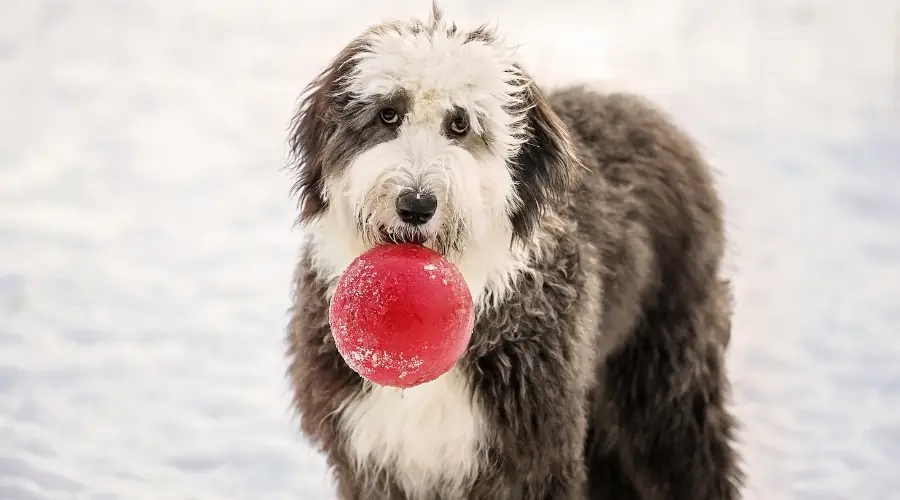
<point>146,243</point>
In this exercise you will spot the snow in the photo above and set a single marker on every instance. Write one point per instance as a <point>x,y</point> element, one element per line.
<point>146,241</point>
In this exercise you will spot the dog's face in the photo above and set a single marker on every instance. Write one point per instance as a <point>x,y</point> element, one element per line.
<point>421,132</point>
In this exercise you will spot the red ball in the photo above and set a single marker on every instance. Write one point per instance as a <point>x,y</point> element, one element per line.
<point>401,315</point>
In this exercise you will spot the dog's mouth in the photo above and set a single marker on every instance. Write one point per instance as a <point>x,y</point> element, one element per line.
<point>413,237</point>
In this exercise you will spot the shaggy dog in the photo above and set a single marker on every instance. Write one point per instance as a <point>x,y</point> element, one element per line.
<point>590,234</point>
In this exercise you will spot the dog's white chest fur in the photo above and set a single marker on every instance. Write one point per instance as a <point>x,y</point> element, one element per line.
<point>428,436</point>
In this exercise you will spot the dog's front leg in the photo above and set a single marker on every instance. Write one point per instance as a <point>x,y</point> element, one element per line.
<point>533,397</point>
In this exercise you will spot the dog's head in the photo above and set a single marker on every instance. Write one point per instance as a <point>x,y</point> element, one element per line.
<point>423,132</point>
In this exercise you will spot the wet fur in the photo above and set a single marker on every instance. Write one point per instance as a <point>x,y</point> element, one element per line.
<point>600,373</point>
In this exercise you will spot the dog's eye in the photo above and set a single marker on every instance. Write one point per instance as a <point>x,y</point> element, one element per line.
<point>389,116</point>
<point>459,125</point>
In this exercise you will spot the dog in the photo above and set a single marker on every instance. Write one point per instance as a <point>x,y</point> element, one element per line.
<point>590,233</point>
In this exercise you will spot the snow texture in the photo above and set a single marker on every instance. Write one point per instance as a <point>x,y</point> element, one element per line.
<point>146,242</point>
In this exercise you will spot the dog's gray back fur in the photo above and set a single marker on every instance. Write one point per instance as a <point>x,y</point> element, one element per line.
<point>601,374</point>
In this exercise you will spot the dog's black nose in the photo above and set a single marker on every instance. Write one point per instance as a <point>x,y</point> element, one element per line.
<point>415,207</point>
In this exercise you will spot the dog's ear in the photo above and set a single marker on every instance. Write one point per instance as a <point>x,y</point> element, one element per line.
<point>313,125</point>
<point>545,166</point>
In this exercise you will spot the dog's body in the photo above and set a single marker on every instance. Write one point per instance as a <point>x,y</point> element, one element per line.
<point>596,367</point>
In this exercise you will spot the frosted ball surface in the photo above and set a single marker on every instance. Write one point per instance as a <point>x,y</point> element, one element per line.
<point>401,315</point>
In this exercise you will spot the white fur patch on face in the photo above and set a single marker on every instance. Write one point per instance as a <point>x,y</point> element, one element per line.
<point>441,70</point>
<point>436,72</point>
<point>428,436</point>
